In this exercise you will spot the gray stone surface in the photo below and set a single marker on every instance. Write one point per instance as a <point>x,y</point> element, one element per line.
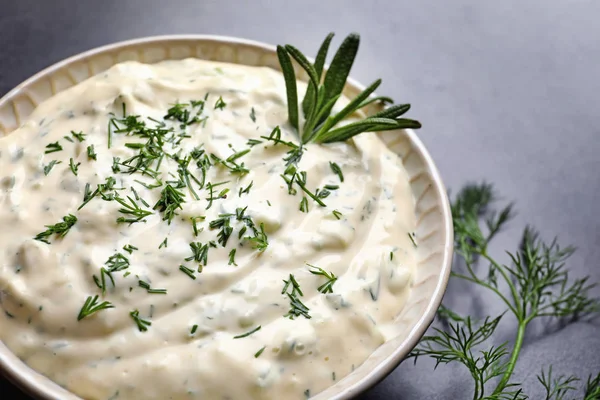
<point>508,91</point>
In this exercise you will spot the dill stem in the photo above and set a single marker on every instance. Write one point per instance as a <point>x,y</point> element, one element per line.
<point>476,391</point>
<point>513,357</point>
<point>518,309</point>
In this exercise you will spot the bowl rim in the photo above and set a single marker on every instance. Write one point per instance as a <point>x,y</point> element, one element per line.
<point>29,383</point>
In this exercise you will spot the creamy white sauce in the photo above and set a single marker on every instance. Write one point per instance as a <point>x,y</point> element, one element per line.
<point>105,356</point>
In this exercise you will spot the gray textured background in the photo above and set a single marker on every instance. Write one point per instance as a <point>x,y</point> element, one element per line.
<point>507,91</point>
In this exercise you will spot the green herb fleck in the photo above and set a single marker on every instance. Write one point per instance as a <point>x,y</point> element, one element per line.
<point>164,243</point>
<point>91,153</point>
<point>51,164</point>
<point>232,257</point>
<point>132,209</point>
<point>146,285</point>
<point>129,248</point>
<point>141,323</point>
<point>92,306</point>
<point>304,204</point>
<point>187,271</point>
<point>60,229</point>
<point>337,170</point>
<point>246,190</point>
<point>327,287</point>
<point>411,236</point>
<point>78,135</point>
<point>199,253</point>
<point>220,104</point>
<point>53,147</point>
<point>259,352</point>
<point>74,167</point>
<point>170,200</point>
<point>248,333</point>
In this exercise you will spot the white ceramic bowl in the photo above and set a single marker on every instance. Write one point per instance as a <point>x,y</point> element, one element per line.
<point>434,223</point>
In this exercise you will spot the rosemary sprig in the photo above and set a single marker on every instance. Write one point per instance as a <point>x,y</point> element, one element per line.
<point>320,99</point>
<point>538,286</point>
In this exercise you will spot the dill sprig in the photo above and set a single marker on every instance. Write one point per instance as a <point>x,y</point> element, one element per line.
<point>213,195</point>
<point>184,113</point>
<point>74,167</point>
<point>327,287</point>
<point>91,153</point>
<point>297,308</point>
<point>102,189</point>
<point>164,243</point>
<point>170,200</point>
<point>320,98</point>
<point>223,223</point>
<point>248,333</point>
<point>232,257</point>
<point>230,164</point>
<point>195,221</point>
<point>199,253</point>
<point>131,208</point>
<point>116,262</point>
<point>291,289</point>
<point>51,164</point>
<point>92,306</point>
<point>101,282</point>
<point>538,286</point>
<point>259,241</point>
<point>129,248</point>
<point>189,272</point>
<point>259,352</point>
<point>245,190</point>
<point>141,323</point>
<point>80,136</point>
<point>146,285</point>
<point>59,229</point>
<point>53,147</point>
<point>337,170</point>
<point>220,104</point>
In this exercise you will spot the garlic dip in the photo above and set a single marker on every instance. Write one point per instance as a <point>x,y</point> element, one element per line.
<point>153,247</point>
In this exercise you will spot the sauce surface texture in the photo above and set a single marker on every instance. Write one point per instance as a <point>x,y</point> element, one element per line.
<point>153,247</point>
